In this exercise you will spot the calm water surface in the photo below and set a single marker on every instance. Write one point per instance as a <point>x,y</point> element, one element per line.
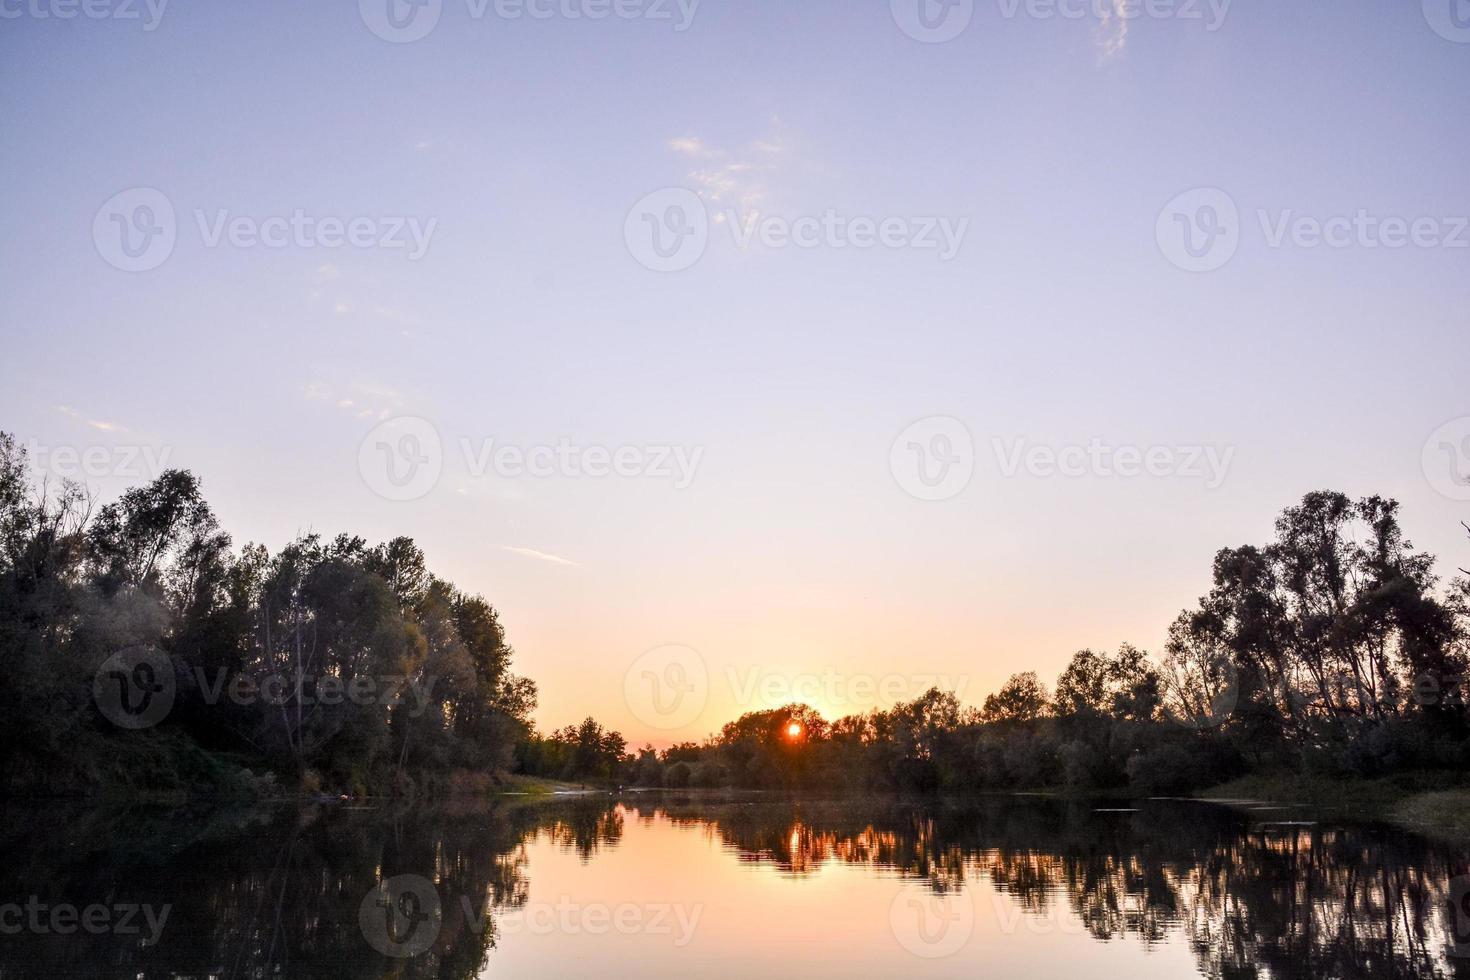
<point>676,886</point>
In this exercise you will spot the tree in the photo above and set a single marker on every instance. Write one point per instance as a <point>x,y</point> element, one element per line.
<point>1022,698</point>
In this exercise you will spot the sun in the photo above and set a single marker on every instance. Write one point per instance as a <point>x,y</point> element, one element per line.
<point>793,730</point>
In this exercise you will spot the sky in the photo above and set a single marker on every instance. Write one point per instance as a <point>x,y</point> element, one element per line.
<point>749,352</point>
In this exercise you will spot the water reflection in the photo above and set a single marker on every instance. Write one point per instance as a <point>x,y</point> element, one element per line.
<point>1248,893</point>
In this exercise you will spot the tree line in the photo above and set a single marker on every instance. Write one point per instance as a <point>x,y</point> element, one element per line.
<point>327,666</point>
<point>1333,649</point>
<point>340,666</point>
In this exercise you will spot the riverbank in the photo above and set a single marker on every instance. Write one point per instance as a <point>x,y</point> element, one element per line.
<point>1432,803</point>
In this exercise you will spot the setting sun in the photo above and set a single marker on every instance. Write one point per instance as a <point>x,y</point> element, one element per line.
<point>793,730</point>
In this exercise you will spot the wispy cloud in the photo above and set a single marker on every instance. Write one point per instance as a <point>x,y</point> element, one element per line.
<point>691,146</point>
<point>540,555</point>
<point>733,177</point>
<point>364,401</point>
<point>1112,29</point>
<point>97,424</point>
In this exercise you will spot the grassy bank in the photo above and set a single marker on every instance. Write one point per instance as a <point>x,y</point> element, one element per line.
<point>516,785</point>
<point>1435,803</point>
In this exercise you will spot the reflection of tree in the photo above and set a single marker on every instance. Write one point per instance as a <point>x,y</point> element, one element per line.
<point>1252,901</point>
<point>585,826</point>
<point>270,898</point>
<point>278,896</point>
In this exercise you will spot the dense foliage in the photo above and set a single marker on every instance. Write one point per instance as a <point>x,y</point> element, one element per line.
<point>1330,650</point>
<point>334,665</point>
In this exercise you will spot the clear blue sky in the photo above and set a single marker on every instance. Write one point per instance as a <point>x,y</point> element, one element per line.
<point>528,320</point>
